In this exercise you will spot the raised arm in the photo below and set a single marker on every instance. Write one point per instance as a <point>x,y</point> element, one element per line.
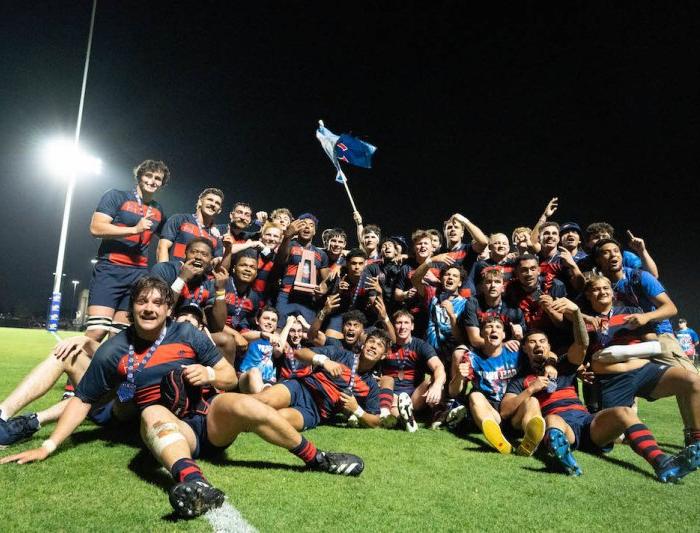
<point>551,208</point>
<point>479,239</point>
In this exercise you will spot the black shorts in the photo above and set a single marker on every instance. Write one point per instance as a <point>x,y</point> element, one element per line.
<point>620,389</point>
<point>203,448</point>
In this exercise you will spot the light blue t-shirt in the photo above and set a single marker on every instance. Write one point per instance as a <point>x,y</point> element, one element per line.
<point>492,374</point>
<point>259,355</point>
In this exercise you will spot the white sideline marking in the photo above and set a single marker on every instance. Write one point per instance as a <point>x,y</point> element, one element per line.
<point>227,519</point>
<point>59,339</point>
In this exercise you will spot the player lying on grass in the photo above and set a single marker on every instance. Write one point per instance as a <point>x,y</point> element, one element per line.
<point>160,366</point>
<point>489,370</point>
<point>340,378</point>
<point>620,363</point>
<point>403,387</point>
<point>569,424</point>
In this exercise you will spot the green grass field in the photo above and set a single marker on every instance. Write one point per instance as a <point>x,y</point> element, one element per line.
<point>431,480</point>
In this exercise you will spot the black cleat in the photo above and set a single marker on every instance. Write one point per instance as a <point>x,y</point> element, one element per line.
<point>344,464</point>
<point>193,498</point>
<point>18,428</point>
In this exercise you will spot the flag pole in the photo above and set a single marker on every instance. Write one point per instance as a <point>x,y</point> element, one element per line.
<point>347,189</point>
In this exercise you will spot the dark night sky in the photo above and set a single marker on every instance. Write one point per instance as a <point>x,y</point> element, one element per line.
<point>486,111</point>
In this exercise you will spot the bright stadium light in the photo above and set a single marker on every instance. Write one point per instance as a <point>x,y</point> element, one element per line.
<point>64,159</point>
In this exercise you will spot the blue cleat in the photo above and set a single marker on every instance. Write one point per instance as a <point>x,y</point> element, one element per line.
<point>691,454</point>
<point>18,428</point>
<point>558,447</point>
<point>670,471</point>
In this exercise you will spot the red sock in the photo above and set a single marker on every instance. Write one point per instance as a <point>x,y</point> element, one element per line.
<point>643,443</point>
<point>305,450</point>
<point>186,470</point>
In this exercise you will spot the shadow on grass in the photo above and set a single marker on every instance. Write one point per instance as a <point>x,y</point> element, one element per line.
<point>144,465</point>
<point>116,434</point>
<point>624,464</point>
<point>257,465</point>
<point>668,445</point>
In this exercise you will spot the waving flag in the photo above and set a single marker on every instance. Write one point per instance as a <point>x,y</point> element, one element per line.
<point>344,148</point>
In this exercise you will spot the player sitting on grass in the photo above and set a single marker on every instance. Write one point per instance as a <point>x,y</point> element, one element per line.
<point>569,424</point>
<point>622,369</point>
<point>489,369</point>
<point>155,365</point>
<point>403,386</point>
<point>258,366</point>
<point>339,379</point>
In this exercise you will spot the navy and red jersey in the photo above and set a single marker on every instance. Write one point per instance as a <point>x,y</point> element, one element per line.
<point>241,308</point>
<point>356,296</point>
<point>289,366</point>
<point>183,344</point>
<point>326,389</point>
<point>200,291</point>
<point>415,305</point>
<point>335,264</point>
<point>264,277</point>
<point>528,303</point>
<point>408,363</point>
<point>464,256</point>
<point>614,331</point>
<point>507,266</point>
<point>126,211</point>
<point>476,313</point>
<point>555,266</point>
<point>564,398</point>
<point>181,229</point>
<point>290,269</point>
<point>388,274</point>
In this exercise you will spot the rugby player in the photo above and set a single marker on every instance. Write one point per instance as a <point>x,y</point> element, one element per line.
<point>147,365</point>
<point>126,222</point>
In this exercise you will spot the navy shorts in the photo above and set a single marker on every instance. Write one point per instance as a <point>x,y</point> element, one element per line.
<point>303,401</point>
<point>404,385</point>
<point>580,423</point>
<point>620,389</point>
<point>203,448</point>
<point>110,284</point>
<point>292,304</point>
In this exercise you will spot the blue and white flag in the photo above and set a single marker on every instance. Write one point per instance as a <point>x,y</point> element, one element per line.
<point>344,148</point>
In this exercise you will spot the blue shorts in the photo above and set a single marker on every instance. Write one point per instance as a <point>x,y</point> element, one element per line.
<point>580,423</point>
<point>291,304</point>
<point>203,448</point>
<point>110,284</point>
<point>303,401</point>
<point>335,323</point>
<point>620,389</point>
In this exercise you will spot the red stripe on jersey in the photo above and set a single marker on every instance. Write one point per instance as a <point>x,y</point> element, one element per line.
<point>164,354</point>
<point>127,260</point>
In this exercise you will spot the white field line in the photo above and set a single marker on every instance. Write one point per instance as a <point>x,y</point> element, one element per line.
<point>227,519</point>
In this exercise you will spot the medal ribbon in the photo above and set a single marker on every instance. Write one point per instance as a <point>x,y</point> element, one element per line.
<point>130,371</point>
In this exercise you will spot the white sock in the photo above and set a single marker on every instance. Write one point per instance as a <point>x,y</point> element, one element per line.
<point>384,412</point>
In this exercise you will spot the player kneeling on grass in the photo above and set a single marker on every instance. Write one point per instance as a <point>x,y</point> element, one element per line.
<point>403,386</point>
<point>339,380</point>
<point>569,424</point>
<point>489,369</point>
<point>159,366</point>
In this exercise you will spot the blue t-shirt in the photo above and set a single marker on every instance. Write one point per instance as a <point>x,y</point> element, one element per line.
<point>439,332</point>
<point>492,374</point>
<point>636,289</point>
<point>259,355</point>
<point>687,338</point>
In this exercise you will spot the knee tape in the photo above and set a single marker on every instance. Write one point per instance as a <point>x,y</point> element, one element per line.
<point>162,435</point>
<point>118,327</point>
<point>99,322</point>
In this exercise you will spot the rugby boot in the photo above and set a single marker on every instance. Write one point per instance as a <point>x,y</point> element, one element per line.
<point>193,498</point>
<point>344,464</point>
<point>18,428</point>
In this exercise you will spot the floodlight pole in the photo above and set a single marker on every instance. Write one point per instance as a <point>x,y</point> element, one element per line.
<point>55,309</point>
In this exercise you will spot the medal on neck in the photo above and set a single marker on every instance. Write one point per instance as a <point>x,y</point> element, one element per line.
<point>127,390</point>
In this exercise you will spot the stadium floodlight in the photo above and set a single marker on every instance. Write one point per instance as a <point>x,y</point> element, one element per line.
<point>66,160</point>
